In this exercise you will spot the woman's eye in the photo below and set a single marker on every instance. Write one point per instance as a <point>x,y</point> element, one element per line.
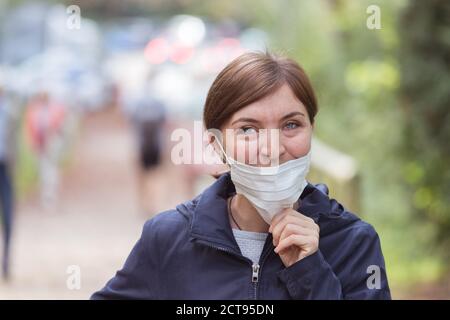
<point>291,125</point>
<point>247,130</point>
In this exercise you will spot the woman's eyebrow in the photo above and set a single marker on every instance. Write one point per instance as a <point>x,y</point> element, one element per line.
<point>289,115</point>
<point>245,120</point>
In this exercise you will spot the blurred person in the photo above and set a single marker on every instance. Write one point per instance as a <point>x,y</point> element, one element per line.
<point>7,149</point>
<point>260,231</point>
<point>44,123</point>
<point>148,115</point>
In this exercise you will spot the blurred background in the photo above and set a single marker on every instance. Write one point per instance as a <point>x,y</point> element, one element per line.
<point>91,91</point>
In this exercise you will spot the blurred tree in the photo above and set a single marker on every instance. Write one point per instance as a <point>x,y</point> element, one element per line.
<point>425,87</point>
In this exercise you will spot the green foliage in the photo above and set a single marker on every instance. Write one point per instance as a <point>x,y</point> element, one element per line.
<point>425,69</point>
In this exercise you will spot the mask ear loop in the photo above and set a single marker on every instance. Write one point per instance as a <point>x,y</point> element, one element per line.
<point>223,155</point>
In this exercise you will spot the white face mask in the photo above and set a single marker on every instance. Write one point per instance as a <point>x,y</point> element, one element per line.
<point>270,189</point>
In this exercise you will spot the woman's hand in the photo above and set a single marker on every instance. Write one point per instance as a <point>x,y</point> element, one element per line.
<point>295,236</point>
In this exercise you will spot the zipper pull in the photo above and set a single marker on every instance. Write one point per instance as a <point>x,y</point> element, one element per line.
<point>255,274</point>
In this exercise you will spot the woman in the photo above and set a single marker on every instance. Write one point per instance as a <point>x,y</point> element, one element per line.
<point>260,231</point>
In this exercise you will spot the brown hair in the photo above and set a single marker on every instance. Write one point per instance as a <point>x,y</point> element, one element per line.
<point>251,77</point>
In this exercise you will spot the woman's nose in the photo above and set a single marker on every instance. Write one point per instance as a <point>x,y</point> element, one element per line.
<point>270,147</point>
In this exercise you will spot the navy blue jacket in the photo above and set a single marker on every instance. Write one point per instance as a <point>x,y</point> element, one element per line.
<point>191,253</point>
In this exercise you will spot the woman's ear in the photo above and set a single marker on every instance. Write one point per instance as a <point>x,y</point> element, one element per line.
<point>210,141</point>
<point>212,138</point>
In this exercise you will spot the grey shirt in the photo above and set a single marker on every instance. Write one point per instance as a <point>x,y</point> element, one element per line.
<point>250,243</point>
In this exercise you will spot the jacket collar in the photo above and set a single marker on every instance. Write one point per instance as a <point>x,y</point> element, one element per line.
<point>210,215</point>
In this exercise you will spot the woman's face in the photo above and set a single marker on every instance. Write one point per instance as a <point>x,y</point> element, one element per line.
<point>270,131</point>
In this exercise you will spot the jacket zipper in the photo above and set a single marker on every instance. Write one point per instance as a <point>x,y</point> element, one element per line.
<point>255,279</point>
<point>256,271</point>
<point>256,268</point>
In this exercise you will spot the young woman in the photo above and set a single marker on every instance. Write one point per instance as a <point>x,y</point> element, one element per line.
<point>260,231</point>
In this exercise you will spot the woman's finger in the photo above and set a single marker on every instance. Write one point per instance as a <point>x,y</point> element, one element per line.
<point>296,229</point>
<point>291,219</point>
<point>278,228</point>
<point>293,239</point>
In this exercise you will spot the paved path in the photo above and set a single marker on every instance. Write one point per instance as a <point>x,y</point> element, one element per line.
<point>94,226</point>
